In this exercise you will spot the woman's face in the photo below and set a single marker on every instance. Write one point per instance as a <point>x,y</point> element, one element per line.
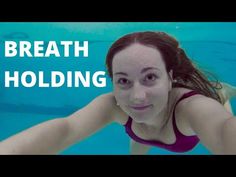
<point>141,82</point>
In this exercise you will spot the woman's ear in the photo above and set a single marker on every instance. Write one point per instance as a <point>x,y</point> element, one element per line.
<point>170,74</point>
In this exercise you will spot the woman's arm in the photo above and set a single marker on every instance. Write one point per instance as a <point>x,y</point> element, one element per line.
<point>229,136</point>
<point>211,122</point>
<point>44,138</point>
<point>52,136</point>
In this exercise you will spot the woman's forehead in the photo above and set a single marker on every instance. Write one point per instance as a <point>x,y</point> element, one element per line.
<point>137,57</point>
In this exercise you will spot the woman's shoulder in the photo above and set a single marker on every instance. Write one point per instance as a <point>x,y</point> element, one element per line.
<point>117,114</point>
<point>178,92</point>
<point>180,116</point>
<point>197,111</point>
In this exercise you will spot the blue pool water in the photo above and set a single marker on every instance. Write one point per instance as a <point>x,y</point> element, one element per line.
<point>211,45</point>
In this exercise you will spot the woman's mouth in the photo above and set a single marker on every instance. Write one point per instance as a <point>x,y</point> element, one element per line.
<point>140,107</point>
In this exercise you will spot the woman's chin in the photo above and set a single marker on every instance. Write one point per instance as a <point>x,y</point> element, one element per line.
<point>140,118</point>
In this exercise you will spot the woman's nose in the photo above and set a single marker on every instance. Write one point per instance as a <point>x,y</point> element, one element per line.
<point>138,94</point>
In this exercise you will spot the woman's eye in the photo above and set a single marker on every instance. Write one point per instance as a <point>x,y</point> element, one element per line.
<point>123,81</point>
<point>150,77</point>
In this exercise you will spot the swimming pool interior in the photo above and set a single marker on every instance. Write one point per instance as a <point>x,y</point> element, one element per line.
<point>211,45</point>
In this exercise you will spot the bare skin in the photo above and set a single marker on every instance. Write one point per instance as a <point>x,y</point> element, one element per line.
<point>196,115</point>
<point>226,93</point>
<point>53,136</point>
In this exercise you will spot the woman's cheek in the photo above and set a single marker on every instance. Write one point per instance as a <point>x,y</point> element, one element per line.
<point>121,96</point>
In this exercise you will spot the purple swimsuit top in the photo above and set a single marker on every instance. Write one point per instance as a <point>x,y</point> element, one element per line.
<point>183,143</point>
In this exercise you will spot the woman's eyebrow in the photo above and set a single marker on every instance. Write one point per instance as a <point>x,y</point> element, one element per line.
<point>143,70</point>
<point>149,68</point>
<point>121,73</point>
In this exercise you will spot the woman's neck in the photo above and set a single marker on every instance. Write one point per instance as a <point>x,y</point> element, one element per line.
<point>159,122</point>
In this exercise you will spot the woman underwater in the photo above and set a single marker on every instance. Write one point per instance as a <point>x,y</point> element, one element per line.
<point>159,96</point>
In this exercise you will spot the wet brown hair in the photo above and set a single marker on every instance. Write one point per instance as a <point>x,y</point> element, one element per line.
<point>184,70</point>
